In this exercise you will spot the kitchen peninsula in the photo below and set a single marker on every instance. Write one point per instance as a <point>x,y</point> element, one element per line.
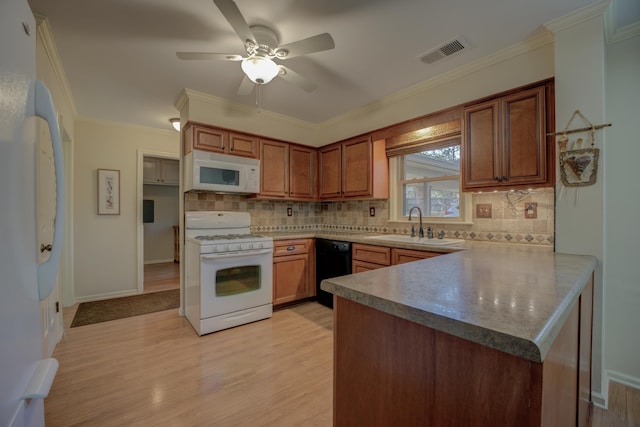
<point>491,335</point>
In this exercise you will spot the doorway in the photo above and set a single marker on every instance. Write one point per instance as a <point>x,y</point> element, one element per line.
<point>158,222</point>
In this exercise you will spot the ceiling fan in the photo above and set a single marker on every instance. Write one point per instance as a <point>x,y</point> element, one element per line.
<point>262,47</point>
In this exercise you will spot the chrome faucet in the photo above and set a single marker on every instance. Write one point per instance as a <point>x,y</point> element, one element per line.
<point>413,231</point>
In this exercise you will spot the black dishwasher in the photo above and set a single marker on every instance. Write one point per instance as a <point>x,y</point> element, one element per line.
<point>333,259</point>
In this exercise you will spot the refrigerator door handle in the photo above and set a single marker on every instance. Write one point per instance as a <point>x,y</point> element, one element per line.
<point>48,270</point>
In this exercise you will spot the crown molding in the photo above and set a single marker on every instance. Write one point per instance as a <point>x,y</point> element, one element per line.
<point>614,34</point>
<point>49,45</point>
<point>581,15</point>
<point>530,44</point>
<point>111,123</point>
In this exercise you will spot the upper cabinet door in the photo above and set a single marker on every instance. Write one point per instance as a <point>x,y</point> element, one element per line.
<point>243,145</point>
<point>524,157</point>
<point>481,149</point>
<point>330,171</point>
<point>302,172</point>
<point>209,139</point>
<point>356,167</point>
<point>274,168</point>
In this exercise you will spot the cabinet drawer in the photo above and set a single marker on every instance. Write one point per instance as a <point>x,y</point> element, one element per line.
<point>291,247</point>
<point>372,254</point>
<point>358,266</point>
<point>401,256</point>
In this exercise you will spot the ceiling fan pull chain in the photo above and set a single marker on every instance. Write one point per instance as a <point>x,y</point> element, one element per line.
<point>258,98</point>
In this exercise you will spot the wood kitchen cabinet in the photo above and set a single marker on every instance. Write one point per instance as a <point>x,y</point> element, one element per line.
<point>355,168</point>
<point>371,257</point>
<point>504,142</point>
<point>293,270</point>
<point>208,138</point>
<point>288,171</point>
<point>160,171</point>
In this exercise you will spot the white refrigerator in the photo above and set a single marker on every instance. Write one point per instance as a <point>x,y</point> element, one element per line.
<point>25,377</point>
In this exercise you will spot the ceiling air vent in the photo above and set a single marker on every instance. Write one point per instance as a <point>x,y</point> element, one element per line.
<point>447,49</point>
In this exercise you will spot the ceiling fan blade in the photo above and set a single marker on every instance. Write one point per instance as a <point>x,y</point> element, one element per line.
<point>305,46</point>
<point>246,86</point>
<point>208,56</point>
<point>231,12</point>
<point>296,79</point>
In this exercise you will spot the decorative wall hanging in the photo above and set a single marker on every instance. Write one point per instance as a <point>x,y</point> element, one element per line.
<point>108,192</point>
<point>578,165</point>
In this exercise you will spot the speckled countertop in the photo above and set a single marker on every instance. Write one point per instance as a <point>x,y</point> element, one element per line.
<point>514,298</point>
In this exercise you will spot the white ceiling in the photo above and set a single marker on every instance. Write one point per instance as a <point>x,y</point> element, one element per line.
<point>120,62</point>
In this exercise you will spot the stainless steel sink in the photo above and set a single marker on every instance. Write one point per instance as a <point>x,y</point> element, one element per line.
<point>415,240</point>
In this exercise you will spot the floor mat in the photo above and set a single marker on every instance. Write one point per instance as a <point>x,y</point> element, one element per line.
<point>119,308</point>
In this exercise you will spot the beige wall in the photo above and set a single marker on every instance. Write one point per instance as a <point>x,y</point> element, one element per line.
<point>622,204</point>
<point>158,236</point>
<point>105,258</point>
<point>579,65</point>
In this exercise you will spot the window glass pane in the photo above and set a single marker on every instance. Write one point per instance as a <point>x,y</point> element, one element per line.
<point>432,163</point>
<point>435,198</point>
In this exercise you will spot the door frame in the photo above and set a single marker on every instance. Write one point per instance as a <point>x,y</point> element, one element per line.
<point>139,196</point>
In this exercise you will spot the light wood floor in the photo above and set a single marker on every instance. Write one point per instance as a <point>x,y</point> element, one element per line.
<point>624,408</point>
<point>154,370</point>
<point>161,277</point>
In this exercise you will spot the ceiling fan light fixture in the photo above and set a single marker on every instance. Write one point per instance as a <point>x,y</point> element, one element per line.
<point>175,122</point>
<point>260,70</point>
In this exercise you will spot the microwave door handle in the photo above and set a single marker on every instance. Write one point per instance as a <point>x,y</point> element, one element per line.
<point>236,254</point>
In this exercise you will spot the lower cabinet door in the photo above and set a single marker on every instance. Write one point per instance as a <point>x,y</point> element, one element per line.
<point>291,278</point>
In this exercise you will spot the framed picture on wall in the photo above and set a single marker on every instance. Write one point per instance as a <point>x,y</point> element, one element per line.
<point>108,192</point>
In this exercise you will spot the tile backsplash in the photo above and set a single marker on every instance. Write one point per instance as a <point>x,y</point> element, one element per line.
<point>506,224</point>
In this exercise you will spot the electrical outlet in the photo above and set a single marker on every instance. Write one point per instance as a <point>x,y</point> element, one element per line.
<point>483,210</point>
<point>372,211</point>
<point>289,211</point>
<point>531,210</point>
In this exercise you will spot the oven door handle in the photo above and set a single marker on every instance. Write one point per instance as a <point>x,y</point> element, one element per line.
<point>236,254</point>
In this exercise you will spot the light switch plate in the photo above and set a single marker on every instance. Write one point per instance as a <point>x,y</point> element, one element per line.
<point>483,210</point>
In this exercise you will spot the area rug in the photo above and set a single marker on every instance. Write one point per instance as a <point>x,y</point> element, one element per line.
<point>119,308</point>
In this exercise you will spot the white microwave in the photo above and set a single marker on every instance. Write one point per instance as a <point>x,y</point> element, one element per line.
<point>221,173</point>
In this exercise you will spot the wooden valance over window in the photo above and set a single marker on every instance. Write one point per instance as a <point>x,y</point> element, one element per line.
<point>430,138</point>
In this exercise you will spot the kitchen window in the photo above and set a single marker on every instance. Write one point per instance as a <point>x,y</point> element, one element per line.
<point>430,179</point>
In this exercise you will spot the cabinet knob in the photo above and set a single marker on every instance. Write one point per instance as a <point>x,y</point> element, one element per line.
<point>496,178</point>
<point>291,248</point>
<point>45,248</point>
<point>504,178</point>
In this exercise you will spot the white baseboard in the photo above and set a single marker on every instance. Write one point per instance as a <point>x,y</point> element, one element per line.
<point>602,399</point>
<point>158,261</point>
